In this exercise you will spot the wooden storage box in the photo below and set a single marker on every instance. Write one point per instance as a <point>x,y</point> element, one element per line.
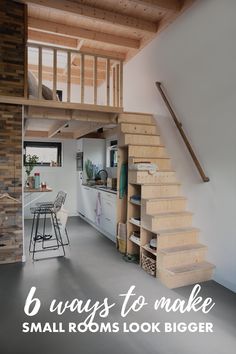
<point>142,177</point>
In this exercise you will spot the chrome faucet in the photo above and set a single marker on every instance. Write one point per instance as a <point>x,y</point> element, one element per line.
<point>103,171</point>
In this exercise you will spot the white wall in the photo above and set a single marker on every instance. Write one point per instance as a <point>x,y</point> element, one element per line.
<point>59,178</point>
<point>195,58</point>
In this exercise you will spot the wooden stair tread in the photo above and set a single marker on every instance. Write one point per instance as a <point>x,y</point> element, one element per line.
<point>145,145</point>
<point>164,198</point>
<point>182,248</point>
<point>170,214</point>
<point>139,123</point>
<point>158,184</point>
<point>190,268</point>
<point>137,114</point>
<point>154,172</point>
<point>133,134</point>
<point>152,158</point>
<point>176,231</point>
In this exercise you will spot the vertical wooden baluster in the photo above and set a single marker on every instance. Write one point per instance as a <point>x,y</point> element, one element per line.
<point>108,82</point>
<point>68,76</point>
<point>95,79</point>
<point>82,77</point>
<point>117,85</point>
<point>121,84</point>
<point>54,74</point>
<point>40,68</point>
<point>114,85</point>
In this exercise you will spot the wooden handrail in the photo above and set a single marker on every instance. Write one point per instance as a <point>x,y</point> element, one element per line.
<point>182,133</point>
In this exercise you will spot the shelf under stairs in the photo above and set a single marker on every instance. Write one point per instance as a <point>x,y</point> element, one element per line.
<point>180,258</point>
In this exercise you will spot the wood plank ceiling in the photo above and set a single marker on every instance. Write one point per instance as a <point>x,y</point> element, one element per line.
<point>114,28</point>
<point>119,28</point>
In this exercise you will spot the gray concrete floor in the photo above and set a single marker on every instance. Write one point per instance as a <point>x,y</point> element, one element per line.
<point>94,269</point>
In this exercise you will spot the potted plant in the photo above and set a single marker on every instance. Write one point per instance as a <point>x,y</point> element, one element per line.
<point>30,163</point>
<point>89,168</point>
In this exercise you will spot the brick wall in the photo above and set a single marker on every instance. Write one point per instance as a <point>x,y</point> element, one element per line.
<point>12,61</point>
<point>12,48</point>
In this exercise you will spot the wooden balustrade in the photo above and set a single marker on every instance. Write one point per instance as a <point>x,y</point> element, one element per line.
<point>182,133</point>
<point>103,75</point>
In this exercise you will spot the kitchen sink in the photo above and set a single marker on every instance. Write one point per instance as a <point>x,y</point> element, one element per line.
<point>105,188</point>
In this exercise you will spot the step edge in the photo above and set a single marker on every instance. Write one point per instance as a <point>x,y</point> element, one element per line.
<point>138,123</point>
<point>171,213</point>
<point>164,198</point>
<point>163,233</point>
<point>153,158</point>
<point>166,252</point>
<point>137,113</point>
<point>208,266</point>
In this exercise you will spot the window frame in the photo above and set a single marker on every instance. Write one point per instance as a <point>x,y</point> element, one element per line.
<point>44,144</point>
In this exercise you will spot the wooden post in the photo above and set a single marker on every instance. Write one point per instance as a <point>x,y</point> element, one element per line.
<point>54,75</point>
<point>26,52</point>
<point>108,82</point>
<point>114,85</point>
<point>68,76</point>
<point>40,67</point>
<point>82,77</point>
<point>95,79</point>
<point>121,83</point>
<point>118,85</point>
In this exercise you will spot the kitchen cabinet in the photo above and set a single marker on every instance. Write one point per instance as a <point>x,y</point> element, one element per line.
<point>88,203</point>
<point>107,225</point>
<point>108,219</point>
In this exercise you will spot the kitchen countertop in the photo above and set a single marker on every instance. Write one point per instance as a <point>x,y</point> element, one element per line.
<point>101,188</point>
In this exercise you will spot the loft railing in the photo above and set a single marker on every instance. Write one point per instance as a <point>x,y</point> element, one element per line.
<point>75,76</point>
<point>182,133</point>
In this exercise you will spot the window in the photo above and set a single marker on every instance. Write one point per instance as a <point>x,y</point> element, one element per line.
<point>49,154</point>
<point>113,153</point>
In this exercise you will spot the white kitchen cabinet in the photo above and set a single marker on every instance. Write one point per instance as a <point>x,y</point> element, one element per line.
<point>87,203</point>
<point>107,224</point>
<point>108,219</point>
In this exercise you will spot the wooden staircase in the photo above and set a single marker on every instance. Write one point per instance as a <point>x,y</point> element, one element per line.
<point>180,258</point>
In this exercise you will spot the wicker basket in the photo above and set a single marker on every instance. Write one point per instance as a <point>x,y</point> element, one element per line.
<point>121,245</point>
<point>149,265</point>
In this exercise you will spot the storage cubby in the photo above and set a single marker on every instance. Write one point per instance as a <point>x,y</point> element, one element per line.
<point>148,262</point>
<point>147,236</point>
<point>134,219</point>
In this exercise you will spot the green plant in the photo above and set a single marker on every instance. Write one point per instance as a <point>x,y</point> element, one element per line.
<point>89,169</point>
<point>30,163</point>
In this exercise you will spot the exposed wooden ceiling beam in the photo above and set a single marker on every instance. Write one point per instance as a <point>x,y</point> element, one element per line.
<point>90,117</point>
<point>44,134</point>
<point>56,128</point>
<point>106,53</point>
<point>78,32</point>
<point>43,37</point>
<point>167,5</point>
<point>86,130</point>
<point>65,115</point>
<point>94,13</point>
<point>36,134</point>
<point>116,55</point>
